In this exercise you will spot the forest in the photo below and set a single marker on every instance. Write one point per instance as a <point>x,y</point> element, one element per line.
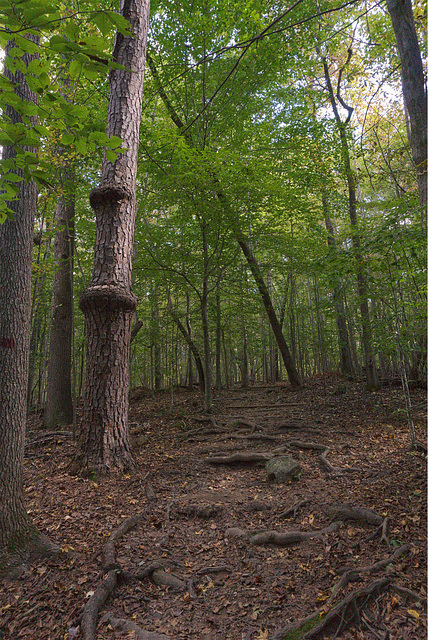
<point>213,342</point>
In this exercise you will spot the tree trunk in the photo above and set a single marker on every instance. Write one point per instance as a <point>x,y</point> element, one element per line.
<point>189,355</point>
<point>372,381</point>
<point>241,240</point>
<point>59,402</point>
<point>293,375</point>
<point>155,339</point>
<point>108,303</point>
<point>413,85</point>
<point>218,338</point>
<point>244,358</point>
<point>19,539</point>
<point>346,365</point>
<point>188,338</point>
<point>205,323</point>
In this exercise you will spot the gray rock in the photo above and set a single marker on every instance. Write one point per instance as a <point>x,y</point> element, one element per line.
<point>283,468</point>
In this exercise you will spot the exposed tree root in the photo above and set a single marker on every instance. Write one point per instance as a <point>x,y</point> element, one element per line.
<point>343,615</point>
<point>164,579</point>
<point>280,539</point>
<point>242,457</point>
<point>357,514</point>
<point>408,593</point>
<point>250,436</point>
<point>383,531</point>
<point>218,569</point>
<point>325,450</point>
<point>132,629</point>
<point>92,608</point>
<point>347,610</point>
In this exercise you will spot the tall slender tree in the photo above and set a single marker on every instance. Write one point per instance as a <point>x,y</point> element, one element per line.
<point>108,303</point>
<point>59,402</point>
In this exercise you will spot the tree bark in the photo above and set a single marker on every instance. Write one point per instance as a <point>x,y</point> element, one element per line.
<point>19,538</point>
<point>414,90</point>
<point>59,401</point>
<point>108,303</point>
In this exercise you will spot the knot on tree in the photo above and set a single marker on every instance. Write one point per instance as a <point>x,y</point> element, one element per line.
<point>109,296</point>
<point>109,193</point>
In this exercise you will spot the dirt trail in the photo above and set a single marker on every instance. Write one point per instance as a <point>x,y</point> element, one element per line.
<point>199,563</point>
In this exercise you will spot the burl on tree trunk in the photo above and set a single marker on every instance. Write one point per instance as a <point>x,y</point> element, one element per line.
<point>108,302</point>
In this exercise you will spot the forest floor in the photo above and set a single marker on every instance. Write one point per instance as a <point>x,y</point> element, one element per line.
<point>206,569</point>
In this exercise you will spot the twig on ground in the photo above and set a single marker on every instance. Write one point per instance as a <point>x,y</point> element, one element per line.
<point>294,509</point>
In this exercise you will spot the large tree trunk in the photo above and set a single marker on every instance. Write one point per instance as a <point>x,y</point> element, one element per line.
<point>59,401</point>
<point>414,92</point>
<point>19,539</point>
<point>108,303</point>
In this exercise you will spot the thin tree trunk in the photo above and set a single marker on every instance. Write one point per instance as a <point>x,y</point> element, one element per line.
<point>155,338</point>
<point>189,355</point>
<point>188,338</point>
<point>287,358</point>
<point>218,338</point>
<point>372,381</point>
<point>59,402</point>
<point>108,303</point>
<point>346,365</point>
<point>205,324</point>
<point>244,358</point>
<point>241,240</point>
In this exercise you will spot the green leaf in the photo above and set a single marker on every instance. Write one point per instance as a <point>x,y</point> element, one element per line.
<point>121,23</point>
<point>13,177</point>
<point>67,138</point>
<point>103,22</point>
<point>98,136</point>
<point>111,155</point>
<point>81,146</point>
<point>114,142</point>
<point>15,52</point>
<point>74,69</point>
